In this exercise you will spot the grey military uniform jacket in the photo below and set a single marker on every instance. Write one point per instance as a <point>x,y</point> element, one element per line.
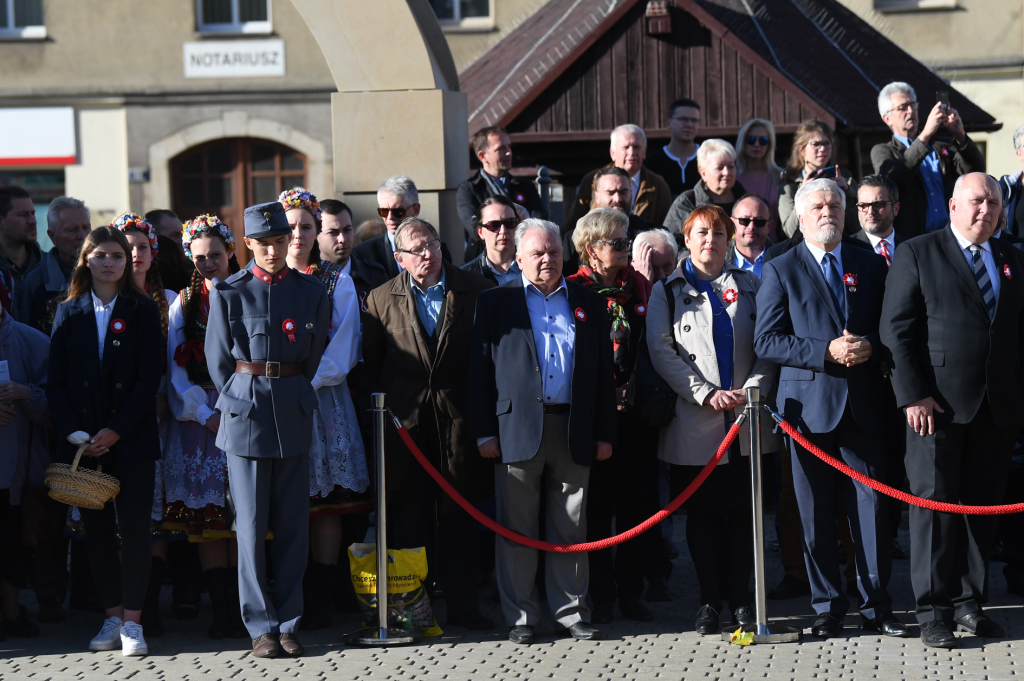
<point>265,417</point>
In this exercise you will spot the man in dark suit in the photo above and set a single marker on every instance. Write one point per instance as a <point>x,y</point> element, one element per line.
<point>878,204</point>
<point>953,318</point>
<point>397,199</point>
<point>494,151</point>
<point>417,334</point>
<point>924,166</point>
<point>817,317</point>
<point>545,443</point>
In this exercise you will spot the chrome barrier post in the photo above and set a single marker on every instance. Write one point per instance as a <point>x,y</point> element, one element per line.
<point>763,631</point>
<point>381,635</point>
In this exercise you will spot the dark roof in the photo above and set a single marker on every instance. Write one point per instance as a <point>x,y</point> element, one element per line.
<point>817,50</point>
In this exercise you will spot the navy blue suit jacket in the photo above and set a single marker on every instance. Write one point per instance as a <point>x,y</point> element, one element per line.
<point>118,393</point>
<point>796,321</point>
<point>506,386</point>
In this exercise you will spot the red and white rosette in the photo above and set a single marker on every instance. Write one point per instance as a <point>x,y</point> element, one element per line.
<point>580,314</point>
<point>1006,272</point>
<point>641,309</point>
<point>730,296</point>
<point>850,279</point>
<point>289,328</point>
<point>118,325</point>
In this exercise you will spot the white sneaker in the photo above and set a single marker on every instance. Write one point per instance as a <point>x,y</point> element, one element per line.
<point>109,636</point>
<point>132,642</point>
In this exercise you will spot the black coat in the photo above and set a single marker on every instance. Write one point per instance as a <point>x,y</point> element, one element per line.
<point>902,165</point>
<point>792,242</point>
<point>505,396</point>
<point>473,191</point>
<point>862,236</point>
<point>120,393</point>
<point>378,250</point>
<point>944,344</point>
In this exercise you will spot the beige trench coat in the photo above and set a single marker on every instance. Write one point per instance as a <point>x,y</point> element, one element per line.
<point>695,433</point>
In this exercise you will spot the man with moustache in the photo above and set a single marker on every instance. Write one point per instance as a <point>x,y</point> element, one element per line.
<point>818,312</point>
<point>953,314</point>
<point>611,190</point>
<point>496,221</point>
<point>878,204</point>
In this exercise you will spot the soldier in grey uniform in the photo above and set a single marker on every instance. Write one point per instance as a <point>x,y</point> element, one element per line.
<point>266,332</point>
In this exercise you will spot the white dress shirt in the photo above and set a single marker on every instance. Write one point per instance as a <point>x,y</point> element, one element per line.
<point>986,257</point>
<point>875,240</point>
<point>103,315</point>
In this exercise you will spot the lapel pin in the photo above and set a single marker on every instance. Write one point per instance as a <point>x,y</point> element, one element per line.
<point>641,309</point>
<point>117,343</point>
<point>289,328</point>
<point>730,296</point>
<point>1006,272</point>
<point>117,325</point>
<point>580,314</point>
<point>851,282</point>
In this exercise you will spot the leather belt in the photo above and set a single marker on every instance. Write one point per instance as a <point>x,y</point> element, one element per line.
<point>556,408</point>
<point>268,369</point>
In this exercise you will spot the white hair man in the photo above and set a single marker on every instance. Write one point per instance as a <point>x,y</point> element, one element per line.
<point>67,225</point>
<point>397,199</point>
<point>923,162</point>
<point>650,195</point>
<point>818,311</point>
<point>522,418</point>
<point>1012,186</point>
<point>716,163</point>
<point>655,254</point>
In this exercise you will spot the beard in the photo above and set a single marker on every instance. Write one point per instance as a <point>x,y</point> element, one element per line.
<point>828,231</point>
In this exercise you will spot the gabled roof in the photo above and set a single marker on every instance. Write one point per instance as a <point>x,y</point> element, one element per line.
<point>817,51</point>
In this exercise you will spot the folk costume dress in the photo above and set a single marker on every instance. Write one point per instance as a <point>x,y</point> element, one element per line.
<point>338,476</point>
<point>195,470</point>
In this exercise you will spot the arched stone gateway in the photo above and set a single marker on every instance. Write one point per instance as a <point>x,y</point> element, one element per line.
<point>398,109</point>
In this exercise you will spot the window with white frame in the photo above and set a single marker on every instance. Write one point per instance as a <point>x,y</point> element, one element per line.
<point>466,14</point>
<point>234,16</point>
<point>22,19</point>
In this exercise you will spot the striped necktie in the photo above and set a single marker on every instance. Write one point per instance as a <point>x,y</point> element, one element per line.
<point>984,283</point>
<point>883,250</point>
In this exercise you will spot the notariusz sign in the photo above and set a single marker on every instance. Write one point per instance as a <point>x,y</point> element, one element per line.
<point>234,59</point>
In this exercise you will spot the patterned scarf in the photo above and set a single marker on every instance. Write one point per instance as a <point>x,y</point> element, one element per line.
<point>628,283</point>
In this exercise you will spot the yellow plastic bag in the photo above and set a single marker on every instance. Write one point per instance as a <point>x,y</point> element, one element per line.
<point>408,604</point>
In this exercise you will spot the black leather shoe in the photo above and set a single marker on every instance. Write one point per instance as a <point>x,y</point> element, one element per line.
<point>657,591</point>
<point>789,587</point>
<point>744,616</point>
<point>603,612</point>
<point>707,621</point>
<point>937,634</point>
<point>471,620</point>
<point>583,631</point>
<point>979,624</point>
<point>633,609</point>
<point>827,626</point>
<point>887,625</point>
<point>522,633</point>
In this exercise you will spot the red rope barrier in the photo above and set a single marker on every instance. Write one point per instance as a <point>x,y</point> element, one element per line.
<point>570,548</point>
<point>890,491</point>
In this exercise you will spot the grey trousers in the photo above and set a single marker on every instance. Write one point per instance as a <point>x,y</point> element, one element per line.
<point>271,494</point>
<point>518,490</point>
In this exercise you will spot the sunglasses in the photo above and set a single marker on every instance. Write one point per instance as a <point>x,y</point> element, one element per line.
<point>619,245</point>
<point>762,140</point>
<point>496,225</point>
<point>758,222</point>
<point>397,213</point>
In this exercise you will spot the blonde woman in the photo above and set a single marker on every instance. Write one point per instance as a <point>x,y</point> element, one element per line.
<point>756,167</point>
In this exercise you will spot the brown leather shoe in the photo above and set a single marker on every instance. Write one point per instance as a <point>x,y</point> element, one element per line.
<point>266,646</point>
<point>291,646</point>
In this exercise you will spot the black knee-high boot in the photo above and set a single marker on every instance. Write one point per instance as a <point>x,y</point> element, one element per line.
<point>151,623</point>
<point>318,596</point>
<point>217,586</point>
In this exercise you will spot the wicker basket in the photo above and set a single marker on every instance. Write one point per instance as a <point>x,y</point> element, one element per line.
<point>84,488</point>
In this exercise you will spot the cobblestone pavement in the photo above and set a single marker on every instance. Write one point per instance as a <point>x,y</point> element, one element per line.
<point>667,648</point>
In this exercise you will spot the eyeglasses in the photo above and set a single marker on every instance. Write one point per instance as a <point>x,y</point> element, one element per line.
<point>397,213</point>
<point>619,245</point>
<point>904,107</point>
<point>496,225</point>
<point>432,246</point>
<point>686,119</point>
<point>762,140</point>
<point>820,145</point>
<point>874,206</point>
<point>758,222</point>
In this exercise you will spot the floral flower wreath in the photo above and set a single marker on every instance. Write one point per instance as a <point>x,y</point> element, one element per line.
<point>128,220</point>
<point>203,225</point>
<point>300,197</point>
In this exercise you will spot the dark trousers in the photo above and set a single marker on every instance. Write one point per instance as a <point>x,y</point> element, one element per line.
<point>50,576</point>
<point>122,581</point>
<point>961,463</point>
<point>453,553</point>
<point>722,501</point>
<point>818,487</point>
<point>13,565</point>
<point>623,488</point>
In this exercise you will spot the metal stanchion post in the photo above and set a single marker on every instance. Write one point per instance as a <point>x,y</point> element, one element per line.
<point>381,635</point>
<point>763,631</point>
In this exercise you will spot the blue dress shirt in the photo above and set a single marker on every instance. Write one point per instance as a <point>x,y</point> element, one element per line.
<point>513,271</point>
<point>428,303</point>
<point>935,188</point>
<point>554,334</point>
<point>748,266</point>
